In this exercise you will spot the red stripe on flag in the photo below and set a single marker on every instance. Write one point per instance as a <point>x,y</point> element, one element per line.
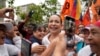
<point>86,18</point>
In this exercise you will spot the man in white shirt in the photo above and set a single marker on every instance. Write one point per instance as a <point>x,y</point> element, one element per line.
<point>7,49</point>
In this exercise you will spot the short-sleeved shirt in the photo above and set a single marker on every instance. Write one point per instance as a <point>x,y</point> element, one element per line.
<point>85,51</point>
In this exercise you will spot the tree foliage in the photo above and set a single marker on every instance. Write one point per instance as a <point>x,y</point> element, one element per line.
<point>37,15</point>
<point>2,3</point>
<point>10,3</point>
<point>50,7</point>
<point>46,9</point>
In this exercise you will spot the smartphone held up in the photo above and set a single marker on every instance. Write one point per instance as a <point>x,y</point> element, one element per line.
<point>31,12</point>
<point>69,22</point>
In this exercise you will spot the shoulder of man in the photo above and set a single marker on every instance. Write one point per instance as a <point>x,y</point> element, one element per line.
<point>85,51</point>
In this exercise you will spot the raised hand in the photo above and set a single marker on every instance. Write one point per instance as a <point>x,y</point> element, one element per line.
<point>3,12</point>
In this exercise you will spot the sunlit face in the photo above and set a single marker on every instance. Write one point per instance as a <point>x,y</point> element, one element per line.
<point>80,27</point>
<point>94,39</point>
<point>54,24</point>
<point>2,36</point>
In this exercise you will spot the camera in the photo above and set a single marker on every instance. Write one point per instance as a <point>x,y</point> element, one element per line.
<point>70,37</point>
<point>69,26</point>
<point>69,22</point>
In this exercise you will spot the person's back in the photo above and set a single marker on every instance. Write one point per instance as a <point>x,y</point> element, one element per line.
<point>36,39</point>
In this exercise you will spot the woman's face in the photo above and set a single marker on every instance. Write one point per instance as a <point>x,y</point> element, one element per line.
<point>94,39</point>
<point>40,33</point>
<point>54,24</point>
<point>2,37</point>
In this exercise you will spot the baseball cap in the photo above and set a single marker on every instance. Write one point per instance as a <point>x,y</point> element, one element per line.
<point>8,25</point>
<point>97,23</point>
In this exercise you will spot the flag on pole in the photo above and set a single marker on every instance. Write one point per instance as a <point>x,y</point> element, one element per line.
<point>76,10</point>
<point>67,8</point>
<point>73,12</point>
<point>95,5</point>
<point>86,18</point>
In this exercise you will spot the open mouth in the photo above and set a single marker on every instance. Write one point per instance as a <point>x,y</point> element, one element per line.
<point>53,28</point>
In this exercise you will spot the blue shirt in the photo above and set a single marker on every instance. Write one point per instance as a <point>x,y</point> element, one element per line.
<point>33,39</point>
<point>8,41</point>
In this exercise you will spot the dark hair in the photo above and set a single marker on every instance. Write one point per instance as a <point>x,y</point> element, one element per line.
<point>38,27</point>
<point>34,26</point>
<point>85,31</point>
<point>3,28</point>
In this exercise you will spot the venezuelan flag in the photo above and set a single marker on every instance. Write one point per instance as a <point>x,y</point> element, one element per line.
<point>73,12</point>
<point>76,11</point>
<point>86,18</point>
<point>95,5</point>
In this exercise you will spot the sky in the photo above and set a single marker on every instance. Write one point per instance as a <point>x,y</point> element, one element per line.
<point>23,2</point>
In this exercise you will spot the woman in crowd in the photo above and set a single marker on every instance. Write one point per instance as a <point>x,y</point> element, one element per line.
<point>36,39</point>
<point>50,40</point>
<point>54,26</point>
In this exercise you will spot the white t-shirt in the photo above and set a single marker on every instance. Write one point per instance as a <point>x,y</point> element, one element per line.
<point>85,51</point>
<point>8,50</point>
<point>17,41</point>
<point>78,38</point>
<point>46,41</point>
<point>70,53</point>
<point>33,45</point>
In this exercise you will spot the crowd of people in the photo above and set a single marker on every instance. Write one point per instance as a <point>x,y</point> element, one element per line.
<point>48,40</point>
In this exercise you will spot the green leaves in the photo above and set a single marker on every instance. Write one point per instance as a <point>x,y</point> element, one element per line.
<point>10,2</point>
<point>41,12</point>
<point>38,13</point>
